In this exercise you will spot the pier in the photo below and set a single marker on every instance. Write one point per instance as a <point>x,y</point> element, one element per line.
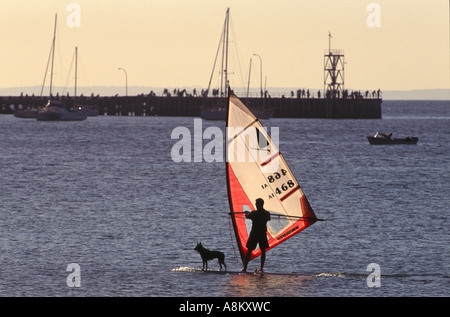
<point>355,106</point>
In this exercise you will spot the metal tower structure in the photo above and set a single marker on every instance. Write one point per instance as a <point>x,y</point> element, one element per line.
<point>333,66</point>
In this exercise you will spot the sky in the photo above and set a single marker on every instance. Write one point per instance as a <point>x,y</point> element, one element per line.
<point>388,44</point>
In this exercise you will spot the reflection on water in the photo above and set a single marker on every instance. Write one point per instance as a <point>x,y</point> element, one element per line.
<point>267,285</point>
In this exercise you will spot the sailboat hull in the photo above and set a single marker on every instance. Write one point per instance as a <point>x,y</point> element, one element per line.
<point>26,114</point>
<point>61,116</point>
<point>56,111</point>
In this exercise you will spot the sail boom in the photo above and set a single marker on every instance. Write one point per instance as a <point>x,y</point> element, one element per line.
<point>285,216</point>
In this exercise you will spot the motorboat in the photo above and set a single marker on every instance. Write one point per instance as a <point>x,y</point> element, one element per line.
<point>380,139</point>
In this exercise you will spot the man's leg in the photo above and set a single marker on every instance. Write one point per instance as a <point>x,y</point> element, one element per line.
<point>247,259</point>
<point>263,258</point>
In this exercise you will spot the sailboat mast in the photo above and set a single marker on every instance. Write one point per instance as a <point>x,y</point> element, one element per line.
<point>76,68</point>
<point>249,73</point>
<point>224,70</point>
<point>53,56</point>
<point>226,50</point>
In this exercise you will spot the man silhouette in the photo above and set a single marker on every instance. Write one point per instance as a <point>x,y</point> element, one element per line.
<point>259,218</point>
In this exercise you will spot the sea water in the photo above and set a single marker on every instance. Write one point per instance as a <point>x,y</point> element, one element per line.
<point>99,208</point>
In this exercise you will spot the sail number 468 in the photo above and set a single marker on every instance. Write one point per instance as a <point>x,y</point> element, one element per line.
<point>275,176</point>
<point>285,186</point>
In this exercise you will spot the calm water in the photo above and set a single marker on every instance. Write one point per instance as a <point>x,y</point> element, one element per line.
<point>105,194</point>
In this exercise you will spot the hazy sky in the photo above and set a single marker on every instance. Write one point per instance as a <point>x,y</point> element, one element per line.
<point>172,43</point>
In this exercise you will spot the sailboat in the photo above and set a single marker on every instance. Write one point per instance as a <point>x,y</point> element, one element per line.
<point>55,110</point>
<point>218,112</point>
<point>256,169</point>
<point>26,113</point>
<point>90,111</point>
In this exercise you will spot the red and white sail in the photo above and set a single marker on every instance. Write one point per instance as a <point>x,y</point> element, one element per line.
<point>256,169</point>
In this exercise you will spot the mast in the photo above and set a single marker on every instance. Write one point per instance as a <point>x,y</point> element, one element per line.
<point>53,56</point>
<point>76,61</point>
<point>224,70</point>
<point>226,50</point>
<point>249,73</point>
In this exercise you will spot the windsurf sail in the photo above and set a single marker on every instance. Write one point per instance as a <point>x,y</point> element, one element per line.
<point>256,169</point>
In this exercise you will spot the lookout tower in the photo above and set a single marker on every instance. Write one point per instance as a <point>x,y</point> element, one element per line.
<point>333,67</point>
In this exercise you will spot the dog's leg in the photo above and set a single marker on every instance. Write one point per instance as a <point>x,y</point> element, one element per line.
<point>222,261</point>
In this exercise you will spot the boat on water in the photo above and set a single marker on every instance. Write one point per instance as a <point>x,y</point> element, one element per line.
<point>381,139</point>
<point>90,111</point>
<point>26,113</point>
<point>53,113</point>
<point>264,174</point>
<point>56,111</point>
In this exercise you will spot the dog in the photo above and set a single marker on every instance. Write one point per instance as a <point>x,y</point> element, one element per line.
<point>209,255</point>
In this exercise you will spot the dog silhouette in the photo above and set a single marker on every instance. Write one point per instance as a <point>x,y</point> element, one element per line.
<point>209,255</point>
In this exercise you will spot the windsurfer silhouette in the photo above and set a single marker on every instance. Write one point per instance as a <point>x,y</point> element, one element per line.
<point>259,218</point>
